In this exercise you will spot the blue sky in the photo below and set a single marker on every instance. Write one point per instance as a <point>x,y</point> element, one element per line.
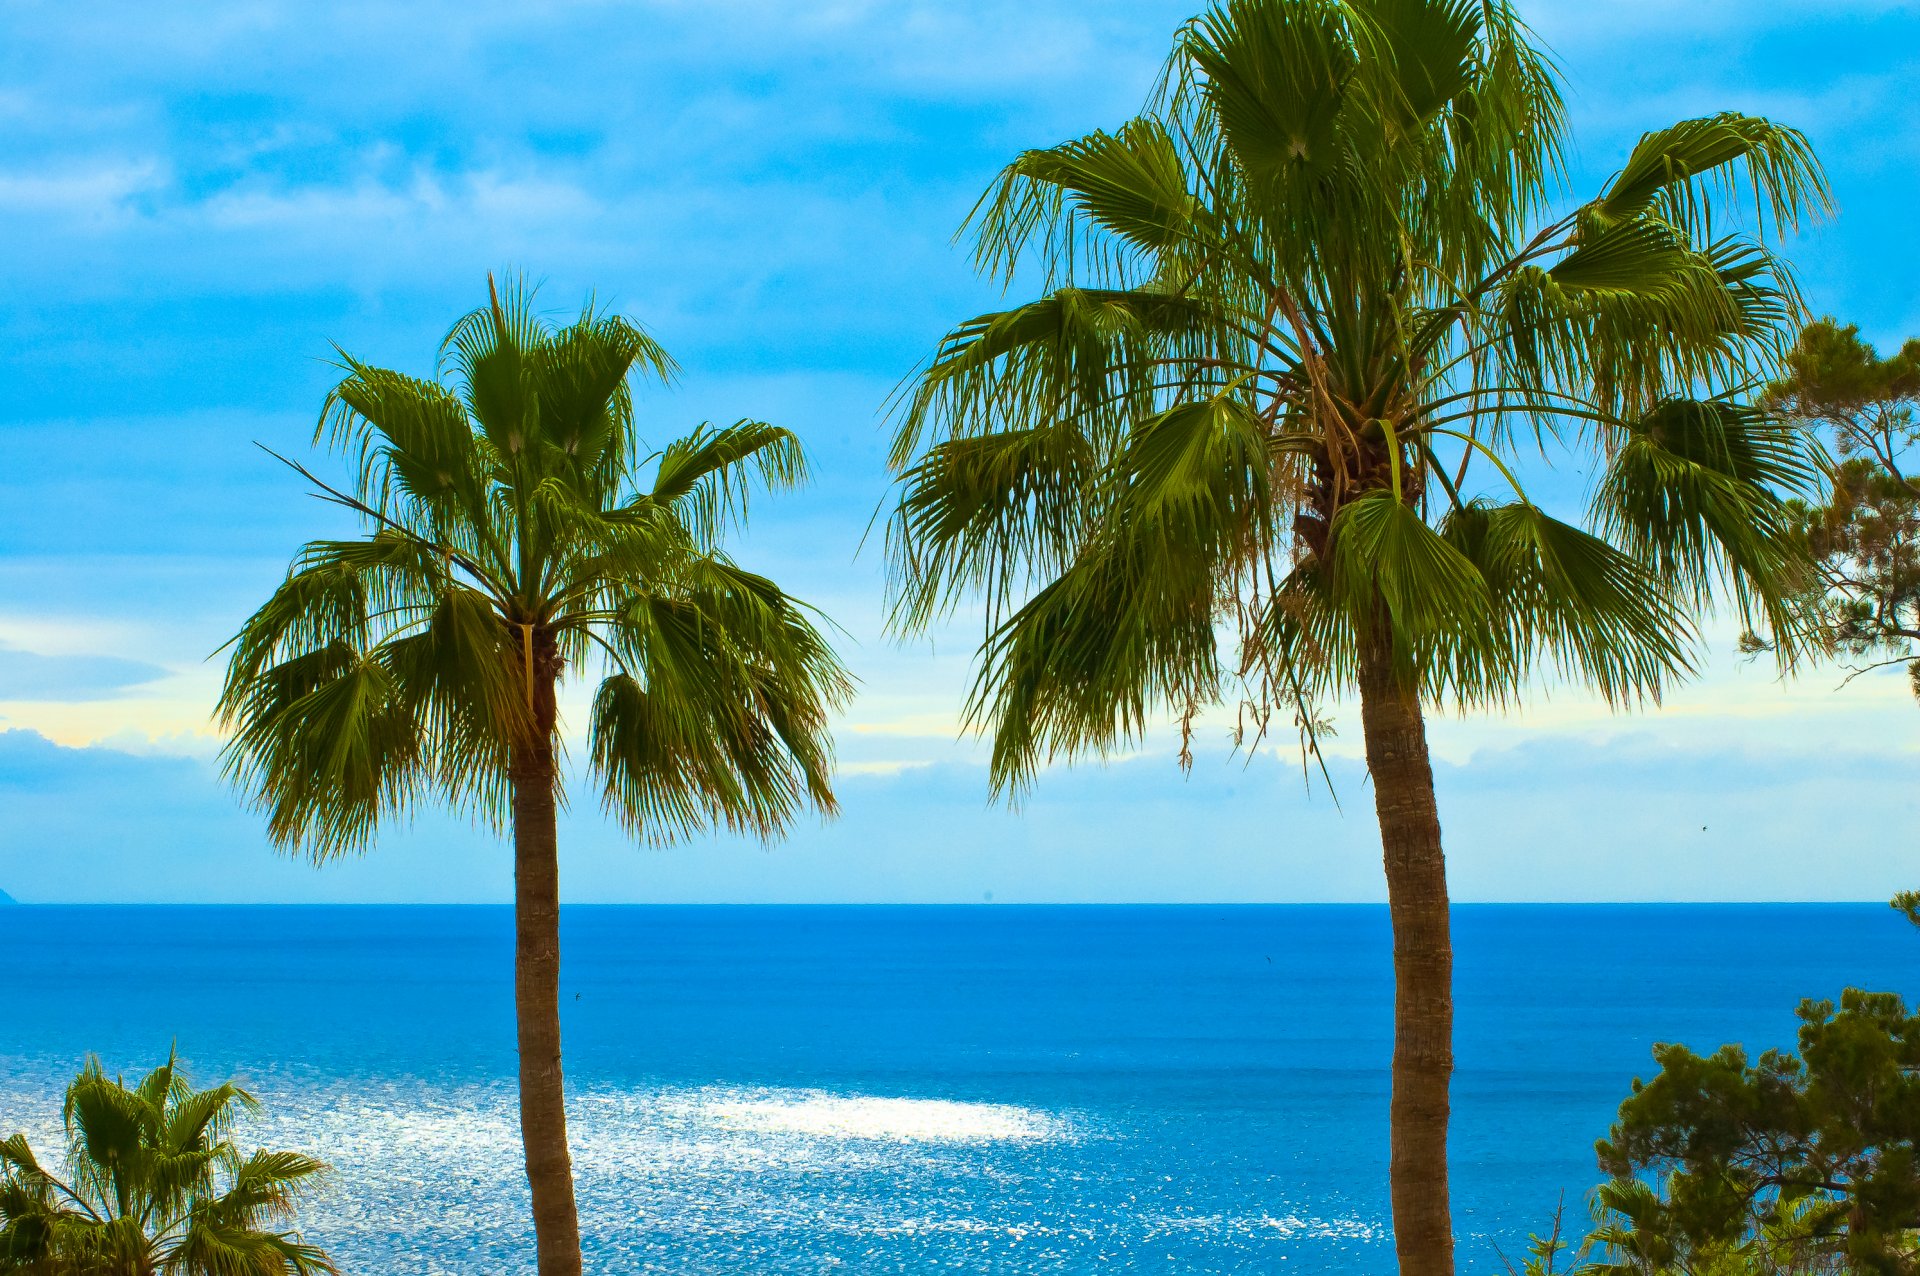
<point>196,200</point>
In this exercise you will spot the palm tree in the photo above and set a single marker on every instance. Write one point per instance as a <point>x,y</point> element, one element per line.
<point>512,536</point>
<point>156,1186</point>
<point>1257,437</point>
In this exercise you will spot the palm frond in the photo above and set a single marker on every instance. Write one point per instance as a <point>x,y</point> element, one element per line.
<point>1698,491</point>
<point>1385,560</point>
<point>581,383</point>
<point>719,715</point>
<point>329,744</point>
<point>1078,354</point>
<point>987,514</point>
<point>1132,185</point>
<point>1778,162</point>
<point>1276,78</point>
<point>1428,50</point>
<point>155,1185</point>
<point>411,442</point>
<point>710,473</point>
<point>1124,632</point>
<point>1567,600</point>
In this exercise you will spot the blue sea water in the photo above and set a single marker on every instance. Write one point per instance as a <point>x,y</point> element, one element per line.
<point>877,1089</point>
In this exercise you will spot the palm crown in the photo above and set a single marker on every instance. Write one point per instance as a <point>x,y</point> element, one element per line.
<point>155,1184</point>
<point>1300,319</point>
<point>509,540</point>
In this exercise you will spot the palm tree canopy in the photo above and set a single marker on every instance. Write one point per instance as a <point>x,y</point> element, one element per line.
<point>516,529</point>
<point>155,1183</point>
<point>1300,320</point>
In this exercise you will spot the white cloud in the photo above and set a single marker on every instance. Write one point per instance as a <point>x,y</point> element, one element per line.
<point>92,196</point>
<point>880,768</point>
<point>426,204</point>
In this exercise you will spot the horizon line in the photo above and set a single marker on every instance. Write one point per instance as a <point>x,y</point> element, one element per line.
<point>953,904</point>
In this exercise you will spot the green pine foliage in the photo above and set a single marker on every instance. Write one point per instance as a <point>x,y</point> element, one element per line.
<point>1806,1163</point>
<point>1865,536</point>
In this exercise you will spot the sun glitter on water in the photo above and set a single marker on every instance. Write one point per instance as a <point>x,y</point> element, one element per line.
<point>821,1115</point>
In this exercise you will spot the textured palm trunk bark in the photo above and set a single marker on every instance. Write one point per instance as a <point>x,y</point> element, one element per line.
<point>536,982</point>
<point>1396,740</point>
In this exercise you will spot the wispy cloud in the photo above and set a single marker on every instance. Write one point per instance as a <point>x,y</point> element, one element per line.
<point>59,679</point>
<point>86,197</point>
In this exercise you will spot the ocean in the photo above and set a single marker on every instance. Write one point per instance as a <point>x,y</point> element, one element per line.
<point>913,1089</point>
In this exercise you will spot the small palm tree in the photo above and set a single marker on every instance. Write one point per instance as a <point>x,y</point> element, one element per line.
<point>1257,438</point>
<point>155,1186</point>
<point>514,534</point>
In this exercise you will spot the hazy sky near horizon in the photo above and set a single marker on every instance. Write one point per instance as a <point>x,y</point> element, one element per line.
<point>196,201</point>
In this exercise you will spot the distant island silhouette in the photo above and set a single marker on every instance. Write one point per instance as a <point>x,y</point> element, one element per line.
<point>7,899</point>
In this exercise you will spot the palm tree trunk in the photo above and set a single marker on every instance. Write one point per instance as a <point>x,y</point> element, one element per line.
<point>536,982</point>
<point>1396,738</point>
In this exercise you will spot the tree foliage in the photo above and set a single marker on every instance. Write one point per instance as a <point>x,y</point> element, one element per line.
<point>510,510</point>
<point>154,1186</point>
<point>1865,537</point>
<point>1786,1163</point>
<point>1627,1240</point>
<point>1298,325</point>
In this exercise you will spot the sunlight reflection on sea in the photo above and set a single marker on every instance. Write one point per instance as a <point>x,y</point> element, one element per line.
<point>719,1178</point>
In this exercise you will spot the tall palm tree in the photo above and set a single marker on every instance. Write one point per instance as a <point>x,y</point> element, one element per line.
<point>156,1186</point>
<point>1257,436</point>
<point>513,535</point>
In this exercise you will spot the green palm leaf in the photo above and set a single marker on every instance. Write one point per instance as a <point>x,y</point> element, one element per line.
<point>1568,600</point>
<point>1698,491</point>
<point>1384,557</point>
<point>1132,184</point>
<point>1778,162</point>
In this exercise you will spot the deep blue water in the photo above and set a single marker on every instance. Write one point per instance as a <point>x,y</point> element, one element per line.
<point>993,1088</point>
